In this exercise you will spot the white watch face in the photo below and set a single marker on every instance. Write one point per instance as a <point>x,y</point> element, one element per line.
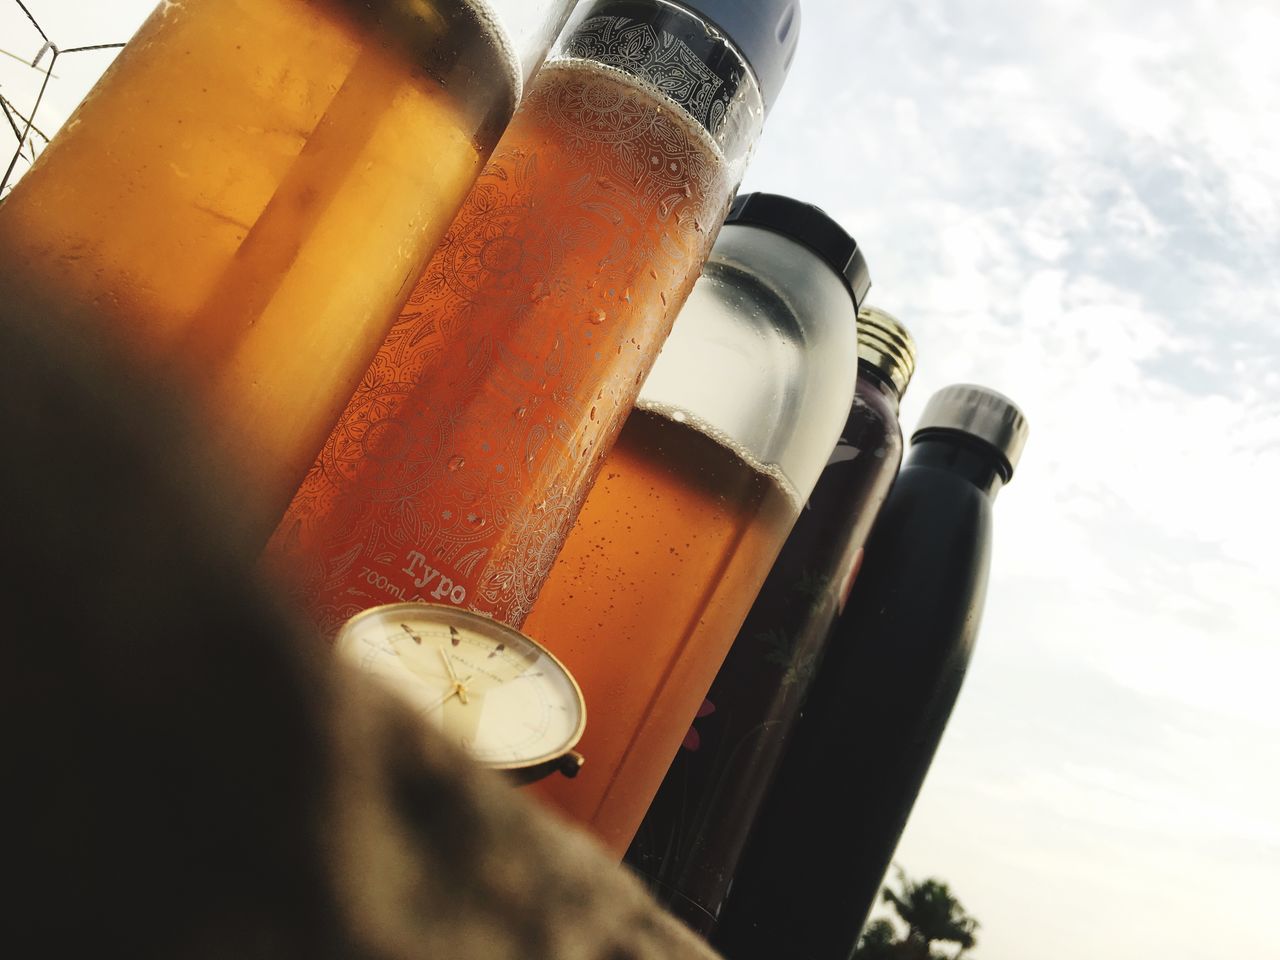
<point>487,687</point>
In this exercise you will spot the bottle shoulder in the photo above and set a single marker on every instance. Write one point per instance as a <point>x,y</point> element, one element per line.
<point>933,535</point>
<point>872,424</point>
<point>956,459</point>
<point>932,496</point>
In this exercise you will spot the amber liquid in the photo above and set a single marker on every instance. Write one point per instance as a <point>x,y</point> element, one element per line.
<point>246,196</point>
<point>456,471</point>
<point>657,576</point>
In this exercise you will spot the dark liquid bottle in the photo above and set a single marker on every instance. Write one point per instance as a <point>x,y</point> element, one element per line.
<point>694,833</point>
<point>829,826</point>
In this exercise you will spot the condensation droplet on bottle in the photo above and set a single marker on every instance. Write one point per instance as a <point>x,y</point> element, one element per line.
<point>626,295</point>
<point>521,412</point>
<point>456,464</point>
<point>596,316</point>
<point>539,293</point>
<point>593,413</point>
<point>663,298</point>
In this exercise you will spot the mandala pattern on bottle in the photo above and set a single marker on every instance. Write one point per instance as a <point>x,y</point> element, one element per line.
<point>643,49</point>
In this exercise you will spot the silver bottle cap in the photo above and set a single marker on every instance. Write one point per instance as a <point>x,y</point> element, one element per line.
<point>979,412</point>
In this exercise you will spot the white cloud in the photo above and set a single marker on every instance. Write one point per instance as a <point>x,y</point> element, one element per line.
<point>1077,205</point>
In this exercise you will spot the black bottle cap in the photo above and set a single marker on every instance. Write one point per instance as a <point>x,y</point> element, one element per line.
<point>979,412</point>
<point>806,224</point>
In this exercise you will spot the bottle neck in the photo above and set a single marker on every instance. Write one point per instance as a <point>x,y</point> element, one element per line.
<point>879,381</point>
<point>959,453</point>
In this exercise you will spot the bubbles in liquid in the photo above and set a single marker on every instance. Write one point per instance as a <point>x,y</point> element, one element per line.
<point>774,473</point>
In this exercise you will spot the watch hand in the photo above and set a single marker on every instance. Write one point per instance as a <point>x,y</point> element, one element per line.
<point>439,703</point>
<point>457,684</point>
<point>448,665</point>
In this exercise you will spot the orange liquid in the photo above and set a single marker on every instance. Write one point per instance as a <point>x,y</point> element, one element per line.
<point>664,563</point>
<point>458,468</point>
<point>245,196</point>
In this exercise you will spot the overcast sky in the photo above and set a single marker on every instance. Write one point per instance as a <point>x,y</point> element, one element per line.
<point>1079,205</point>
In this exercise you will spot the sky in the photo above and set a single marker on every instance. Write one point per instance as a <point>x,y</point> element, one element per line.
<point>1077,204</point>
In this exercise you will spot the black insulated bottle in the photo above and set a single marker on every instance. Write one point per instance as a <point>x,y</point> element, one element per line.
<point>877,709</point>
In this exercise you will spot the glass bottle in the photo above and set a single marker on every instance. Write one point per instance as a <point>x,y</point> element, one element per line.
<point>693,834</point>
<point>457,469</point>
<point>732,429</point>
<point>872,722</point>
<point>245,195</point>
